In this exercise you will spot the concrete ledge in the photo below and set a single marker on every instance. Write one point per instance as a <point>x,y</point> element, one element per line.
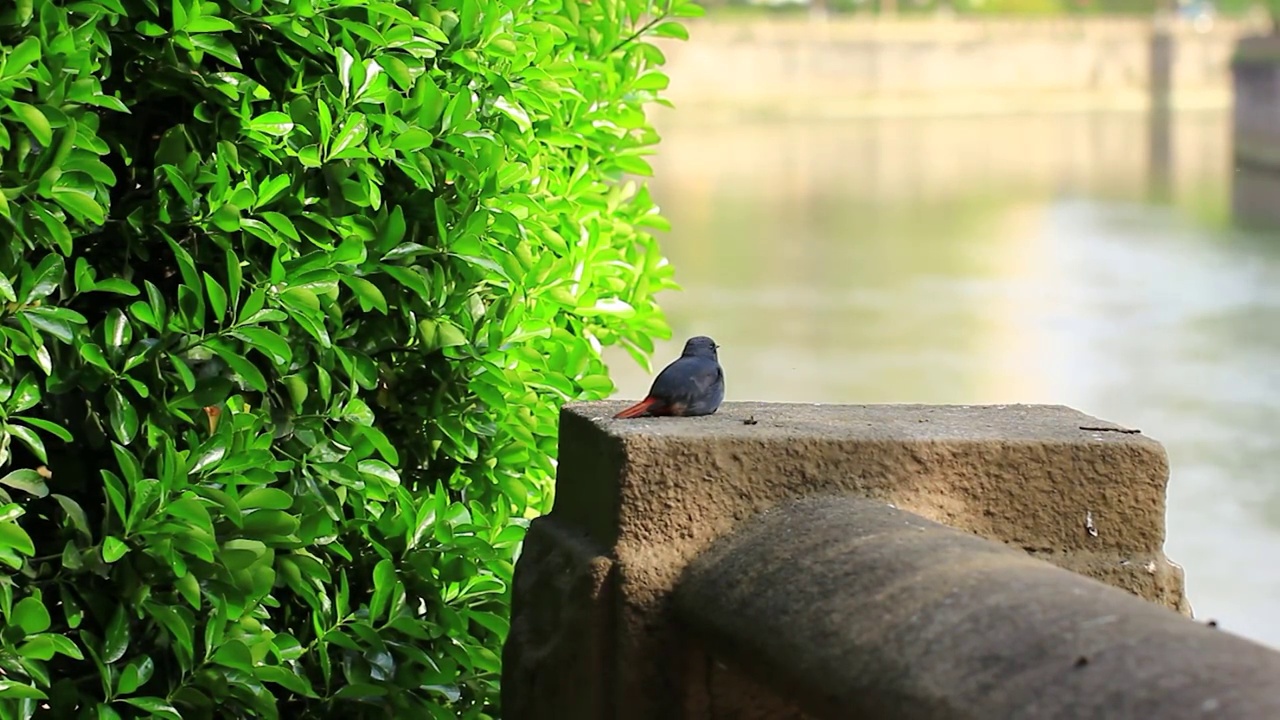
<point>637,500</point>
<point>852,608</point>
<point>1036,477</point>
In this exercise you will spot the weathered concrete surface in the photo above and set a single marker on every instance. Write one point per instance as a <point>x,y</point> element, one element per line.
<point>638,499</point>
<point>854,609</point>
<point>563,638</point>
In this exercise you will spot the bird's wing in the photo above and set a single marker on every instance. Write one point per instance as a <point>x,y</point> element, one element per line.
<point>686,379</point>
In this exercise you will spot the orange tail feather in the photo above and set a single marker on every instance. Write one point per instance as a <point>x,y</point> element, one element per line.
<point>641,408</point>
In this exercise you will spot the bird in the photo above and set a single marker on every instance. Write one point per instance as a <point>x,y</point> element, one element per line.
<point>692,385</point>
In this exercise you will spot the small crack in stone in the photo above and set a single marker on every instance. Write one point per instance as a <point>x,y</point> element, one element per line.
<point>1127,431</point>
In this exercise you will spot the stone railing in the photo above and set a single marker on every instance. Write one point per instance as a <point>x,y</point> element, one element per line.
<point>800,561</point>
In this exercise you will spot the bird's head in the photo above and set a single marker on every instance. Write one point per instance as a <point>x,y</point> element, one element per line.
<point>700,346</point>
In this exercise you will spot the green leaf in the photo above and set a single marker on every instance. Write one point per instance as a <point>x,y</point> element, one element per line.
<point>28,481</point>
<point>184,373</point>
<point>75,514</point>
<point>80,203</point>
<point>241,366</point>
<point>113,548</point>
<point>381,255</point>
<point>301,305</point>
<point>351,135</point>
<point>178,9</point>
<point>136,674</point>
<point>267,342</point>
<point>210,454</point>
<point>93,355</point>
<point>50,427</point>
<point>129,464</point>
<point>633,165</point>
<point>266,498</point>
<point>31,616</point>
<point>384,578</point>
<point>297,389</point>
<point>265,523</point>
<point>282,224</point>
<point>380,471</point>
<point>115,492</point>
<point>35,121</point>
<point>217,297</point>
<point>192,510</point>
<point>513,111</point>
<point>14,690</point>
<point>207,24</point>
<point>409,278</point>
<point>149,29</point>
<point>123,416</point>
<point>116,330</point>
<point>116,641</point>
<point>412,140</point>
<point>219,47</point>
<point>392,231</point>
<point>83,275</point>
<point>368,294</point>
<point>20,57</point>
<point>14,537</point>
<point>345,63</point>
<point>58,322</point>
<point>25,396</point>
<point>671,29</point>
<point>48,275</point>
<point>30,439</point>
<point>287,679</point>
<point>227,218</point>
<point>277,124</point>
<point>116,286</point>
<point>438,334</point>
<point>44,647</point>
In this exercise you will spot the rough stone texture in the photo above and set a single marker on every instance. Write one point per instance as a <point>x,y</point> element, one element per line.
<point>559,652</point>
<point>872,612</point>
<point>638,499</point>
<point>716,691</point>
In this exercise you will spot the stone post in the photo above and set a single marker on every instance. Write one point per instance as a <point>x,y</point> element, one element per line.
<point>593,634</point>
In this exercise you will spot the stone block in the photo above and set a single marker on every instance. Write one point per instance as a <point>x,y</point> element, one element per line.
<point>637,500</point>
<point>849,608</point>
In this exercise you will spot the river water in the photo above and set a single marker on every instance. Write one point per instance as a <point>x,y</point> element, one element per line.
<point>1036,259</point>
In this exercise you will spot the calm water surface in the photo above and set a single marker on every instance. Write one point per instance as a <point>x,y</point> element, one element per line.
<point>999,260</point>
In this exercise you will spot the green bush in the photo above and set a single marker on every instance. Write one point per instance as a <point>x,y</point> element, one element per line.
<point>291,292</point>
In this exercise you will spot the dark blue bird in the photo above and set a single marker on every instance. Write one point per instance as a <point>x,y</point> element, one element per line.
<point>692,385</point>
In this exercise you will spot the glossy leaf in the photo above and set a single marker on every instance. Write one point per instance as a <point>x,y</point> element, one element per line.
<point>28,481</point>
<point>294,293</point>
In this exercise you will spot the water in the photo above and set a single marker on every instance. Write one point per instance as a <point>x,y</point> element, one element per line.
<point>995,260</point>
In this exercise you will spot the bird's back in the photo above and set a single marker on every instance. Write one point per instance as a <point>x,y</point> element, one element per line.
<point>693,381</point>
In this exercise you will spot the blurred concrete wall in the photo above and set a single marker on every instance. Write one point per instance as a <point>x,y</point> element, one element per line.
<point>846,67</point>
